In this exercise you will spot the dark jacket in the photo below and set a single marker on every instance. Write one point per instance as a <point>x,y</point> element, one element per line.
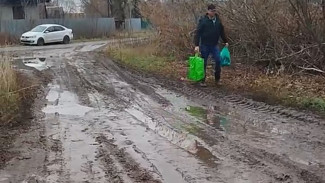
<point>208,32</point>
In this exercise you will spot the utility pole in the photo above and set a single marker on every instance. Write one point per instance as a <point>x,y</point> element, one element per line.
<point>45,9</point>
<point>323,8</point>
<point>109,4</point>
<point>130,14</point>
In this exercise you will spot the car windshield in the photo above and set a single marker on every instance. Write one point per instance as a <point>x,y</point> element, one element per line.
<point>38,29</point>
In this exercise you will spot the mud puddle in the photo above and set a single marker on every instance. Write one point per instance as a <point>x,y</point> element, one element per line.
<point>104,126</point>
<point>38,63</point>
<point>210,117</point>
<point>180,124</point>
<point>206,115</point>
<point>62,102</point>
<point>168,153</point>
<point>268,138</point>
<point>190,133</point>
<point>73,151</point>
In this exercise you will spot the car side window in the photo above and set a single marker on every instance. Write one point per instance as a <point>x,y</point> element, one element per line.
<point>50,29</point>
<point>58,28</point>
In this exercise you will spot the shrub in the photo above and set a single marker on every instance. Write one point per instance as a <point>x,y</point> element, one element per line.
<point>281,34</point>
<point>9,99</point>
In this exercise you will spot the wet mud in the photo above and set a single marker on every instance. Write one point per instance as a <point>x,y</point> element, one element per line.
<point>103,123</point>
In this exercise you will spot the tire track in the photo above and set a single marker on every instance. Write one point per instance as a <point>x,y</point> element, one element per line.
<point>252,156</point>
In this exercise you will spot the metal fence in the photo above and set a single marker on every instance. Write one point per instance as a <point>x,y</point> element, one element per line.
<point>82,27</point>
<point>133,24</point>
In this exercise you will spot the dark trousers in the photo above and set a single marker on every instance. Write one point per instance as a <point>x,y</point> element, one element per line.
<point>206,51</point>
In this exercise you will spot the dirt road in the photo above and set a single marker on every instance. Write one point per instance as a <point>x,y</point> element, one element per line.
<point>100,123</point>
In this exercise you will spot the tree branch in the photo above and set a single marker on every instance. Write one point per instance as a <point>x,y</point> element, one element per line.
<point>296,53</point>
<point>311,69</point>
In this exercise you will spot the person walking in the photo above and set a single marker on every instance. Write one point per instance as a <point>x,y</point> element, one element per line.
<point>208,32</point>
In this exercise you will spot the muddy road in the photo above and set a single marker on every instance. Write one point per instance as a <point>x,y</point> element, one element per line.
<point>100,123</point>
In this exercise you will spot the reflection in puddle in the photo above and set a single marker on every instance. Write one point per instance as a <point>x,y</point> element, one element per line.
<point>65,131</point>
<point>201,152</point>
<point>64,102</point>
<point>206,156</point>
<point>186,141</point>
<point>37,63</point>
<point>198,112</point>
<point>208,116</point>
<point>192,128</point>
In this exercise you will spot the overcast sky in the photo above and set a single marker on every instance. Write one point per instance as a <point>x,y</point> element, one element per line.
<point>70,5</point>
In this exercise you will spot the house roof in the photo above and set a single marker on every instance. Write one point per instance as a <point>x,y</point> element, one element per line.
<point>17,2</point>
<point>22,2</point>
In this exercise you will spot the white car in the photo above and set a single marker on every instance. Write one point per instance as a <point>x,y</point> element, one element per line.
<point>47,33</point>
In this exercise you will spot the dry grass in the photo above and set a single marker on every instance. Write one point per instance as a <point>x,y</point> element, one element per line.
<point>9,100</point>
<point>145,58</point>
<point>287,35</point>
<point>278,47</point>
<point>6,39</point>
<point>136,34</point>
<point>175,24</point>
<point>120,35</point>
<point>297,90</point>
<point>17,92</point>
<point>291,90</point>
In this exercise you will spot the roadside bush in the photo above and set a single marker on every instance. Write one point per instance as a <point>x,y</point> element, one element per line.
<point>9,100</point>
<point>175,23</point>
<point>314,103</point>
<point>283,35</point>
<point>17,92</point>
<point>6,39</point>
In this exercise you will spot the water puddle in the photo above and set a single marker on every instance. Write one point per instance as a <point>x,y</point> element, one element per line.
<point>185,141</point>
<point>64,102</point>
<point>209,116</point>
<point>73,149</point>
<point>206,156</point>
<point>39,63</point>
<point>197,112</point>
<point>156,153</point>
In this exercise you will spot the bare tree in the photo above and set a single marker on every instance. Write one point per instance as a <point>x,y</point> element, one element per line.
<point>118,9</point>
<point>283,34</point>
<point>96,8</point>
<point>69,6</point>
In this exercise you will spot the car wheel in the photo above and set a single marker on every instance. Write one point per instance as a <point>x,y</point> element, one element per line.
<point>40,42</point>
<point>66,40</point>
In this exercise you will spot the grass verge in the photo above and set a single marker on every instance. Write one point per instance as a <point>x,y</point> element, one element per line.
<point>119,35</point>
<point>17,94</point>
<point>16,91</point>
<point>9,99</point>
<point>300,91</point>
<point>144,58</point>
<point>137,34</point>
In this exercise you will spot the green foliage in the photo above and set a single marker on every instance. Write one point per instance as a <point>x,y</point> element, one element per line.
<point>314,103</point>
